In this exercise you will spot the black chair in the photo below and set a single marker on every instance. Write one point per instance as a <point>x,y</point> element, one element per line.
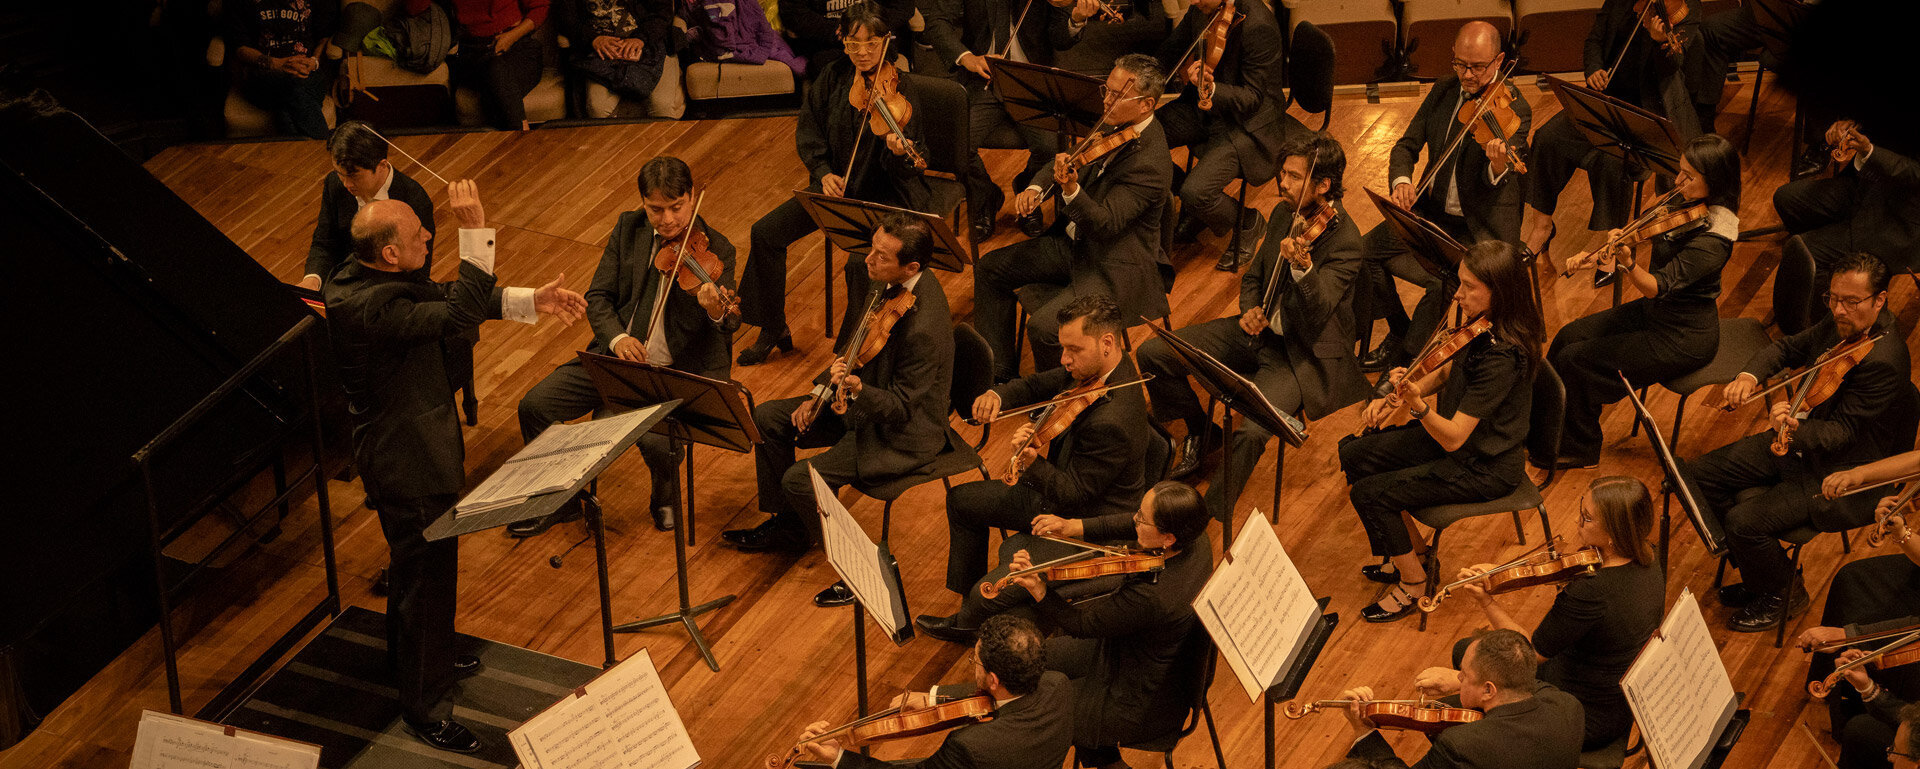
<point>1310,71</point>
<point>1544,426</point>
<point>972,375</point>
<point>1740,338</point>
<point>1189,679</point>
<point>1612,755</point>
<point>1793,289</point>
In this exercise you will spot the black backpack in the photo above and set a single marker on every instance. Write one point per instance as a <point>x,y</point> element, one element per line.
<point>421,41</point>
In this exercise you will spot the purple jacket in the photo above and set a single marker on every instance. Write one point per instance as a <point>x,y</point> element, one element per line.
<point>735,31</point>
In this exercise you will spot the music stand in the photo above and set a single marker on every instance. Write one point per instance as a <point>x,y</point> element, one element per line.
<point>1289,686</point>
<point>1705,525</point>
<point>1436,250</point>
<point>849,224</point>
<point>1048,98</point>
<point>451,525</point>
<point>711,412</point>
<point>1639,138</point>
<point>1238,394</point>
<point>869,571</point>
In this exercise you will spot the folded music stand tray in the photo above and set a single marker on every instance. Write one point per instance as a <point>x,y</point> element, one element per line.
<point>848,225</point>
<point>1639,138</point>
<point>1675,485</point>
<point>1289,685</point>
<point>1048,98</point>
<point>1431,246</point>
<point>711,412</point>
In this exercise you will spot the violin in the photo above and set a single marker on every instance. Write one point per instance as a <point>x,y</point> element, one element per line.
<point>1440,350</point>
<point>1544,565</point>
<point>877,94</point>
<point>1107,12</point>
<point>898,724</point>
<point>1487,117</point>
<point>688,258</point>
<point>1900,651</point>
<point>867,340</point>
<point>1657,220</point>
<point>1884,524</point>
<point>1792,379</point>
<point>1423,715</point>
<point>1210,44</point>
<point>1087,564</point>
<point>1053,421</point>
<point>1097,145</point>
<point>1834,365</point>
<point>1297,248</point>
<point>1669,12</point>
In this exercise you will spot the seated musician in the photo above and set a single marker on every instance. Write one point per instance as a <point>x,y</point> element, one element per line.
<point>639,315</point>
<point>1468,447</point>
<point>1869,415</point>
<point>1904,753</point>
<point>1032,722</point>
<point>1527,723</point>
<point>894,417</point>
<point>1674,328</point>
<point>1597,624</point>
<point>1232,117</point>
<point>1473,196</point>
<point>1867,206</point>
<point>843,159</point>
<point>1108,238</point>
<point>1120,649</point>
<point>1301,356</point>
<point>1649,75</point>
<point>361,174</point>
<point>1094,467</point>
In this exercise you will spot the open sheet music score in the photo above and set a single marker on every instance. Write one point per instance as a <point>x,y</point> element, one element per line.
<point>867,569</point>
<point>1258,608</point>
<point>1679,690</point>
<point>621,719</point>
<point>167,741</point>
<point>555,460</point>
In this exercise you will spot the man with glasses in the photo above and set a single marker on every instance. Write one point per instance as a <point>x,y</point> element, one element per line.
<point>1232,120</point>
<point>1870,415</point>
<point>1106,237</point>
<point>1473,196</point>
<point>843,159</point>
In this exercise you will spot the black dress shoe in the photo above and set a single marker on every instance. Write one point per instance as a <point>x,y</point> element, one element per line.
<point>446,735</point>
<point>381,584</point>
<point>765,537</point>
<point>533,527</point>
<point>663,518</point>
<point>1379,573</point>
<point>466,665</point>
<point>944,629</point>
<point>984,225</point>
<point>1374,613</point>
<point>1192,449</point>
<point>1187,229</point>
<point>836,594</point>
<point>1033,225</point>
<point>1767,612</point>
<point>1385,356</point>
<point>762,348</point>
<point>1241,252</point>
<point>1735,596</point>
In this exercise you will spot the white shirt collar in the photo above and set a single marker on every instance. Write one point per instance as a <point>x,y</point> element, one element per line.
<point>913,281</point>
<point>383,193</point>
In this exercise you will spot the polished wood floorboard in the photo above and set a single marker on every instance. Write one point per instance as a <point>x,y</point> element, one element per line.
<point>555,193</point>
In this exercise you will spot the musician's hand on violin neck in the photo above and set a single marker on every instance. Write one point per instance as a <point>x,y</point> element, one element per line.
<point>1474,590</point>
<point>711,299</point>
<point>850,384</point>
<point>1782,415</point>
<point>1035,584</point>
<point>1815,636</point>
<point>1857,675</point>
<point>1496,151</point>
<point>1886,506</point>
<point>825,751</point>
<point>834,185</point>
<point>1065,175</point>
<point>897,145</point>
<point>1359,696</point>
<point>1084,10</point>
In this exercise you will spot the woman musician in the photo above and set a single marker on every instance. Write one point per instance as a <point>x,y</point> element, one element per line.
<point>1597,624</point>
<point>1674,327</point>
<point>1466,447</point>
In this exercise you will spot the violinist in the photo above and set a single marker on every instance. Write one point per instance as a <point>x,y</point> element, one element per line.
<point>895,404</point>
<point>691,330</point>
<point>1094,467</point>
<point>844,159</point>
<point>1467,447</point>
<point>1867,413</point>
<point>1122,650</point>
<point>1231,114</point>
<point>1597,624</point>
<point>1637,58</point>
<point>1528,724</point>
<point>1867,205</point>
<point>1300,356</point>
<point>1471,192</point>
<point>1674,328</point>
<point>1032,722</point>
<point>1107,239</point>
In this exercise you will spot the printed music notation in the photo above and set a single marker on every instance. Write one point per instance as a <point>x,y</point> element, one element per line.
<point>621,719</point>
<point>1258,608</point>
<point>167,741</point>
<point>1679,690</point>
<point>555,460</point>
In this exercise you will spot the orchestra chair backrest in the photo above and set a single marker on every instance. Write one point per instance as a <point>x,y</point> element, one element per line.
<point>942,104</point>
<point>1546,422</point>
<point>1182,702</point>
<point>1159,455</point>
<point>1310,71</point>
<point>1793,289</point>
<point>972,368</point>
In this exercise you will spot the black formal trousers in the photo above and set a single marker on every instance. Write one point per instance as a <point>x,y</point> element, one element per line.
<point>763,281</point>
<point>1590,353</point>
<point>1079,660</point>
<point>1216,164</point>
<point>990,126</point>
<point>1790,498</point>
<point>1559,149</point>
<point>1403,468</point>
<point>1819,215</point>
<point>422,579</point>
<point>568,394</point>
<point>973,511</point>
<point>503,79</point>
<point>1262,359</point>
<point>1396,260</point>
<point>997,277</point>
<point>786,489</point>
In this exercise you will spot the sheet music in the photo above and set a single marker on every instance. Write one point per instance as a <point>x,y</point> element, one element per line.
<point>556,460</point>
<point>624,721</point>
<point>167,741</point>
<point>1258,608</point>
<point>1679,690</point>
<point>856,558</point>
<point>596,432</point>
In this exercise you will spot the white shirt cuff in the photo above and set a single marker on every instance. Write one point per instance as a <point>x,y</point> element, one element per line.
<point>476,247</point>
<point>1068,198</point>
<point>516,304</point>
<point>303,278</point>
<point>1860,159</point>
<point>961,57</point>
<point>1397,181</point>
<point>1496,179</point>
<point>819,392</point>
<point>615,344</point>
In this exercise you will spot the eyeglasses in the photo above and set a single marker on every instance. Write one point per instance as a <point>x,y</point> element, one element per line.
<point>1141,520</point>
<point>1465,68</point>
<point>1891,753</point>
<point>1107,95</point>
<point>864,46</point>
<point>1585,517</point>
<point>975,659</point>
<point>1844,303</point>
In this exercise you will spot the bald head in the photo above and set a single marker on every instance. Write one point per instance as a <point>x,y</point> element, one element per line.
<point>1477,41</point>
<point>387,235</point>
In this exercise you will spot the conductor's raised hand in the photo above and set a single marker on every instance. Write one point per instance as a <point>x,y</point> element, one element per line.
<point>558,302</point>
<point>463,196</point>
<point>986,408</point>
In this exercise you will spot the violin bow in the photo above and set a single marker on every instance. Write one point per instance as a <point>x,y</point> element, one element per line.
<point>1185,60</point>
<point>1144,378</point>
<point>679,258</point>
<point>1085,545</point>
<point>1014,34</point>
<point>1300,200</point>
<point>1645,218</point>
<point>1798,376</point>
<point>403,153</point>
<point>1638,22</point>
<point>1871,486</point>
<point>1466,130</point>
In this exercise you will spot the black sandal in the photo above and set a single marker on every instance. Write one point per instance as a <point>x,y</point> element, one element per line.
<point>1408,604</point>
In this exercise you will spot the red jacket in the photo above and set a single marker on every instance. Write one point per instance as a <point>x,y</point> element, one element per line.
<point>487,18</point>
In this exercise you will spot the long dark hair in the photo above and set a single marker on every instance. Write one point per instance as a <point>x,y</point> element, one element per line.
<point>1516,320</point>
<point>1624,508</point>
<point>1719,166</point>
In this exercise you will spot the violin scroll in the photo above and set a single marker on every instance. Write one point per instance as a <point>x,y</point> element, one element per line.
<point>1296,711</point>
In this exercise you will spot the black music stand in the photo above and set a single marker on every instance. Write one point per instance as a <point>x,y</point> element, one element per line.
<point>1729,736</point>
<point>1641,139</point>
<point>878,563</point>
<point>541,505</point>
<point>711,412</point>
<point>849,224</point>
<point>1431,246</point>
<point>1675,485</point>
<point>1289,685</point>
<point>1237,393</point>
<point>1048,98</point>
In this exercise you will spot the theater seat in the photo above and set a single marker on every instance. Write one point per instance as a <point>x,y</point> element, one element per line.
<point>1365,32</point>
<point>1427,29</point>
<point>1551,35</point>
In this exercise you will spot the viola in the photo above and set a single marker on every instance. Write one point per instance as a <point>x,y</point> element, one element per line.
<point>1657,220</point>
<point>1900,651</point>
<point>877,94</point>
<point>1086,564</point>
<point>1097,144</point>
<point>867,340</point>
<point>1424,716</point>
<point>898,724</point>
<point>1669,12</point>
<point>1440,351</point>
<point>1107,12</point>
<point>1053,421</point>
<point>1297,248</point>
<point>1792,379</point>
<point>1543,565</point>
<point>1834,365</point>
<point>689,259</point>
<point>1492,117</point>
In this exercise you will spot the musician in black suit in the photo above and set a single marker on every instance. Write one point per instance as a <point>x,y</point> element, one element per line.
<point>1239,133</point>
<point>896,404</point>
<point>391,330</point>
<point>1650,76</point>
<point>843,159</point>
<point>1301,356</point>
<point>1473,196</point>
<point>1107,240</point>
<point>1870,416</point>
<point>692,331</point>
<point>1032,724</point>
<point>1867,206</point>
<point>361,174</point>
<point>966,35</point>
<point>1527,724</point>
<point>1096,467</point>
